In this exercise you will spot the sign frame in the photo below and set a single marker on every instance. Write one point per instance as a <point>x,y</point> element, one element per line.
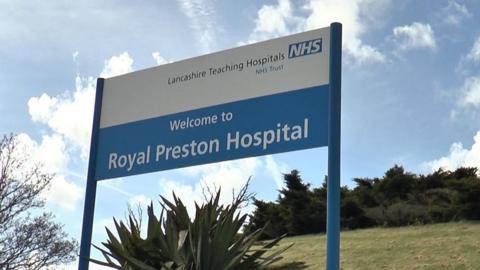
<point>333,180</point>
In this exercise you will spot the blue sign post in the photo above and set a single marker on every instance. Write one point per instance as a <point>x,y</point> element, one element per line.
<point>274,96</point>
<point>91,190</point>
<point>333,180</point>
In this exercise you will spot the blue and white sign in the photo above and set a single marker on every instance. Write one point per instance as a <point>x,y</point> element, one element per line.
<point>258,99</point>
<point>274,96</point>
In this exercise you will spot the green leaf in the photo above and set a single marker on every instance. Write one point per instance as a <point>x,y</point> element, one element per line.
<point>174,242</point>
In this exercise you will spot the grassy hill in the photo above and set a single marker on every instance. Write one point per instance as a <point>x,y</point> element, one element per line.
<point>439,246</point>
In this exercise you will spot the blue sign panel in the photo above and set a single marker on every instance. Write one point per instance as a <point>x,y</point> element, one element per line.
<point>264,125</point>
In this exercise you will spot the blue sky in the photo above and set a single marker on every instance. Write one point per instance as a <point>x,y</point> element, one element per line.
<point>411,87</point>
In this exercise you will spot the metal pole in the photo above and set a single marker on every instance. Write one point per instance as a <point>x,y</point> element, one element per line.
<point>333,182</point>
<point>91,190</point>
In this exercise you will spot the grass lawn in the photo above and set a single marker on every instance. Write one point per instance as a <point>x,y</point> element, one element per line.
<point>438,246</point>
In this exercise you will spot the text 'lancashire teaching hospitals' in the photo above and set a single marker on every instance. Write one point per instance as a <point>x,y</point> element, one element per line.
<point>282,133</point>
<point>294,50</point>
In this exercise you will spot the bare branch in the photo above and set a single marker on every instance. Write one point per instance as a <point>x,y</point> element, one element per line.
<point>27,242</point>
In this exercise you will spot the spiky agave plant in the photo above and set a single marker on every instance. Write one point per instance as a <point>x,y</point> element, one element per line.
<point>211,241</point>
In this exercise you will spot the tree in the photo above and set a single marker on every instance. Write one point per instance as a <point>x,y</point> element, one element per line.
<point>267,216</point>
<point>298,210</point>
<point>397,183</point>
<point>27,241</point>
<point>295,203</point>
<point>466,183</point>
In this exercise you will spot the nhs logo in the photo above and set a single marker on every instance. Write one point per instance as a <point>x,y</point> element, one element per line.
<point>305,48</point>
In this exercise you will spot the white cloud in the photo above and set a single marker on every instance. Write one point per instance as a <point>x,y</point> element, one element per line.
<point>453,116</point>
<point>54,148</point>
<point>275,20</point>
<point>40,108</point>
<point>458,156</point>
<point>140,200</point>
<point>201,16</point>
<point>362,53</point>
<point>454,13</point>
<point>467,99</point>
<point>159,59</point>
<point>117,65</point>
<point>471,92</point>
<point>474,54</point>
<point>63,193</point>
<point>60,192</point>
<point>282,19</point>
<point>100,225</point>
<point>70,115</point>
<point>115,185</point>
<point>189,194</point>
<point>241,168</point>
<point>75,56</point>
<point>276,170</point>
<point>51,146</point>
<point>230,176</point>
<point>349,13</point>
<point>414,36</point>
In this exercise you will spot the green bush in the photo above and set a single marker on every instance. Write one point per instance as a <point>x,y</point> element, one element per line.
<point>402,214</point>
<point>352,216</point>
<point>211,241</point>
<point>440,203</point>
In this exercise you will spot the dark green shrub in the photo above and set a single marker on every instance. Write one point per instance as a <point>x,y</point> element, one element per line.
<point>467,197</point>
<point>352,216</point>
<point>439,202</point>
<point>267,216</point>
<point>397,183</point>
<point>402,214</point>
